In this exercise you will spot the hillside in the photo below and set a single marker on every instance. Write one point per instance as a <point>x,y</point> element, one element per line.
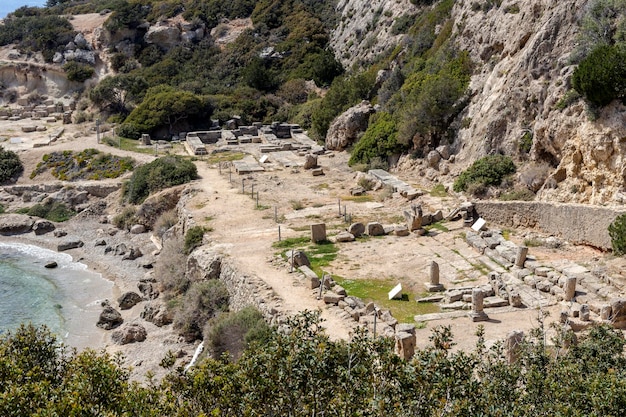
<point>477,78</point>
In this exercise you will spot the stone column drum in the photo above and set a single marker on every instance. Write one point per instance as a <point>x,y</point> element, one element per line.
<point>433,285</point>
<point>478,313</point>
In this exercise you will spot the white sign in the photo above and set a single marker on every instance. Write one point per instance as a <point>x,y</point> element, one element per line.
<point>480,223</point>
<point>396,292</point>
<point>263,159</point>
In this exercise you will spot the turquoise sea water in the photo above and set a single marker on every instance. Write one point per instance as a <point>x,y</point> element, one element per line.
<point>7,6</point>
<point>66,299</point>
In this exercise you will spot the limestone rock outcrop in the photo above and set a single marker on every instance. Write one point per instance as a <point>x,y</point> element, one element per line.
<point>344,130</point>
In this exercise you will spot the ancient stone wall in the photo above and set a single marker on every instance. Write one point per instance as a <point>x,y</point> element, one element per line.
<point>577,223</point>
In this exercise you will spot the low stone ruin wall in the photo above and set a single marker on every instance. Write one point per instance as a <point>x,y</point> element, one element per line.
<point>577,223</point>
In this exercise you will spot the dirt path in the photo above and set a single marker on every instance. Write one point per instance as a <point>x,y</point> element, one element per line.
<point>248,236</point>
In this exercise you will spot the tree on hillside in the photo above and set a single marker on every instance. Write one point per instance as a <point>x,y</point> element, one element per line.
<point>165,106</point>
<point>118,92</point>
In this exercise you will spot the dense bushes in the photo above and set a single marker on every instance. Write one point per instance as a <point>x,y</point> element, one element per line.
<point>165,107</point>
<point>379,141</point>
<point>53,211</point>
<point>159,174</point>
<point>486,171</point>
<point>231,333</point>
<point>89,164</point>
<point>78,72</point>
<point>617,232</point>
<point>203,301</point>
<point>37,33</point>
<point>302,372</point>
<point>193,238</point>
<point>10,165</point>
<point>601,76</point>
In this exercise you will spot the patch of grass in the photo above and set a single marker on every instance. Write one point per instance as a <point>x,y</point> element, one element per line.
<point>225,157</point>
<point>322,186</point>
<point>262,207</point>
<point>439,190</point>
<point>358,198</point>
<point>2,209</point>
<point>533,242</point>
<point>292,242</point>
<point>482,268</point>
<point>56,212</point>
<point>296,204</point>
<point>127,144</point>
<point>506,234</point>
<point>437,226</point>
<point>377,291</point>
<point>89,164</point>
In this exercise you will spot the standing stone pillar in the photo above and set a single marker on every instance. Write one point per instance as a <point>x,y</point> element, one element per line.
<point>570,288</point>
<point>413,217</point>
<point>605,312</point>
<point>318,232</point>
<point>433,285</point>
<point>584,312</point>
<point>520,258</point>
<point>513,344</point>
<point>478,313</point>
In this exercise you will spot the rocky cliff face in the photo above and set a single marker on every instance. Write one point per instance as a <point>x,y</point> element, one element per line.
<point>522,53</point>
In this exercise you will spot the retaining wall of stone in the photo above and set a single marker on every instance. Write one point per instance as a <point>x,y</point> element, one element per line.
<point>576,223</point>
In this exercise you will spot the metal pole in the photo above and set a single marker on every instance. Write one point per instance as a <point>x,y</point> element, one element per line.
<point>345,216</point>
<point>252,193</point>
<point>291,270</point>
<point>257,199</point>
<point>375,316</point>
<point>279,232</point>
<point>243,180</point>
<point>339,204</point>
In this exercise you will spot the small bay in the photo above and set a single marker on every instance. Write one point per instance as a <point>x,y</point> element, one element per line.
<point>66,299</point>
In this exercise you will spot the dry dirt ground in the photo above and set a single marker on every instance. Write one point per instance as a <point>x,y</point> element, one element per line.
<point>294,199</point>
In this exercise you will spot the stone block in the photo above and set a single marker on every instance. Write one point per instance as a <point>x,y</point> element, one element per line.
<point>375,229</point>
<point>357,229</point>
<point>318,232</point>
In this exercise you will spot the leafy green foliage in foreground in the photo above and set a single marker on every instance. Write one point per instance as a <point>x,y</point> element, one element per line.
<point>157,175</point>
<point>617,232</point>
<point>56,212</point>
<point>304,373</point>
<point>486,171</point>
<point>10,165</point>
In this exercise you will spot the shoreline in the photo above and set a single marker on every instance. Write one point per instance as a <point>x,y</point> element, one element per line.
<point>80,334</point>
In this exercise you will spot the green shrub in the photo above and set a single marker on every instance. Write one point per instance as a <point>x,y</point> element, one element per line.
<point>202,302</point>
<point>231,333</point>
<point>10,165</point>
<point>617,232</point>
<point>379,140</point>
<point>486,171</point>
<point>89,164</point>
<point>78,72</point>
<point>193,238</point>
<point>56,212</point>
<point>125,219</point>
<point>161,173</point>
<point>169,270</point>
<point>601,76</point>
<point>37,32</point>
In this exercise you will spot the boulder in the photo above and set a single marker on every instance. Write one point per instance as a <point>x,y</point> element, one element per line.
<point>130,333</point>
<point>70,244</point>
<point>332,298</point>
<point>13,224</point>
<point>120,249</point>
<point>164,36</point>
<point>137,229</point>
<point>433,158</point>
<point>128,300</point>
<point>310,161</point>
<point>299,258</point>
<point>345,129</point>
<point>132,254</point>
<point>401,231</point>
<point>204,264</point>
<point>42,227</point>
<point>60,233</point>
<point>344,237</point>
<point>110,318</point>
<point>157,314</point>
<point>375,229</point>
<point>51,265</point>
<point>100,242</point>
<point>357,229</point>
